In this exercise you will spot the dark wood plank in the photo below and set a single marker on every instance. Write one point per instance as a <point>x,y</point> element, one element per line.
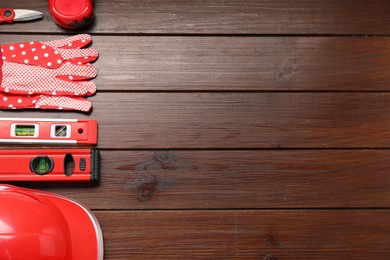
<point>249,234</point>
<point>237,120</point>
<point>243,120</point>
<point>236,179</point>
<point>227,17</point>
<point>231,63</point>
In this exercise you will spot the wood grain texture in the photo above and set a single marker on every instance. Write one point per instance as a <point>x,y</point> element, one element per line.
<point>224,17</point>
<point>243,120</point>
<point>238,120</point>
<point>236,180</point>
<point>235,129</point>
<point>243,64</point>
<point>247,234</point>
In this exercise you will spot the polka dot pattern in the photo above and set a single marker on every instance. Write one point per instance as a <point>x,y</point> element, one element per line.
<point>26,53</point>
<point>51,54</point>
<point>25,79</point>
<point>75,42</point>
<point>44,102</point>
<point>48,75</point>
<point>80,55</point>
<point>65,103</point>
<point>70,48</point>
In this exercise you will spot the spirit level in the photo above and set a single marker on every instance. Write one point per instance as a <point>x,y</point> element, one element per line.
<point>48,131</point>
<point>50,165</point>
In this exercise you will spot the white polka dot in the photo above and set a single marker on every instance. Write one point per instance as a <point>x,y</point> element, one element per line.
<point>70,44</point>
<point>35,57</point>
<point>14,55</point>
<point>4,58</point>
<point>71,77</point>
<point>26,61</point>
<point>34,101</point>
<point>11,48</point>
<point>85,57</point>
<point>10,105</point>
<point>6,90</point>
<point>43,47</point>
<point>19,100</point>
<point>46,55</point>
<point>59,61</point>
<point>30,93</point>
<point>83,40</point>
<point>54,93</point>
<point>13,107</point>
<point>2,50</point>
<point>76,94</point>
<point>56,52</point>
<point>21,45</point>
<point>5,98</point>
<point>60,108</point>
<point>79,63</point>
<point>23,53</point>
<point>36,106</point>
<point>31,43</point>
<point>49,64</point>
<point>33,49</point>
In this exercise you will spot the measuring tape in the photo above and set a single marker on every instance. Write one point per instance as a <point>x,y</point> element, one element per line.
<point>48,131</point>
<point>50,165</point>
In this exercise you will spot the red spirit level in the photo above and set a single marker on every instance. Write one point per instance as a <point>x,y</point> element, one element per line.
<point>48,131</point>
<point>50,165</point>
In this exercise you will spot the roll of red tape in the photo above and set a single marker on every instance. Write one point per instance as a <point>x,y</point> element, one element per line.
<point>71,14</point>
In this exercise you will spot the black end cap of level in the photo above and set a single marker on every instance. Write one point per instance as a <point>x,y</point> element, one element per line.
<point>95,165</point>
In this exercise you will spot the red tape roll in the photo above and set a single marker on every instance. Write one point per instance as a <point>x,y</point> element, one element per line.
<point>71,14</point>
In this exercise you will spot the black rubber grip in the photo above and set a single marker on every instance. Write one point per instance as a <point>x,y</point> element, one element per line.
<point>95,165</point>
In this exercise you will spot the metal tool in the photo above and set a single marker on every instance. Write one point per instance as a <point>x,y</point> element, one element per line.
<point>9,15</point>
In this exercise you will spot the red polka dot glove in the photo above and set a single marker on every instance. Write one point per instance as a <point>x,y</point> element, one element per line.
<point>9,101</point>
<point>51,54</point>
<point>67,80</point>
<point>51,74</point>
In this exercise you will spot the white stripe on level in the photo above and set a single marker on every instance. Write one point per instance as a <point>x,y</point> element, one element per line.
<point>40,141</point>
<point>37,119</point>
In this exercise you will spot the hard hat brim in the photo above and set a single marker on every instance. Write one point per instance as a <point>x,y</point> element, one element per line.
<point>86,234</point>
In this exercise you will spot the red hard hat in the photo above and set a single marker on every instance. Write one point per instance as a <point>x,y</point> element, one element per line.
<point>41,225</point>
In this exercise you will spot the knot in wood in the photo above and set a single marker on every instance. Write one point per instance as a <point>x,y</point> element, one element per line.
<point>147,189</point>
<point>166,159</point>
<point>270,257</point>
<point>272,240</point>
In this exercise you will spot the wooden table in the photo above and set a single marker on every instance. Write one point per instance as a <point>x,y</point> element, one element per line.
<point>236,129</point>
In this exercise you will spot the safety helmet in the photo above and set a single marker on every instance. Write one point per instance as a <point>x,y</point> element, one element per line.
<point>45,226</point>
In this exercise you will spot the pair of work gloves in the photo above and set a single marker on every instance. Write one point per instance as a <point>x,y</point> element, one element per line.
<point>48,75</point>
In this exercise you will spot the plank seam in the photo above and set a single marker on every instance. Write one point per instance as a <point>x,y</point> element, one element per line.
<point>243,209</point>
